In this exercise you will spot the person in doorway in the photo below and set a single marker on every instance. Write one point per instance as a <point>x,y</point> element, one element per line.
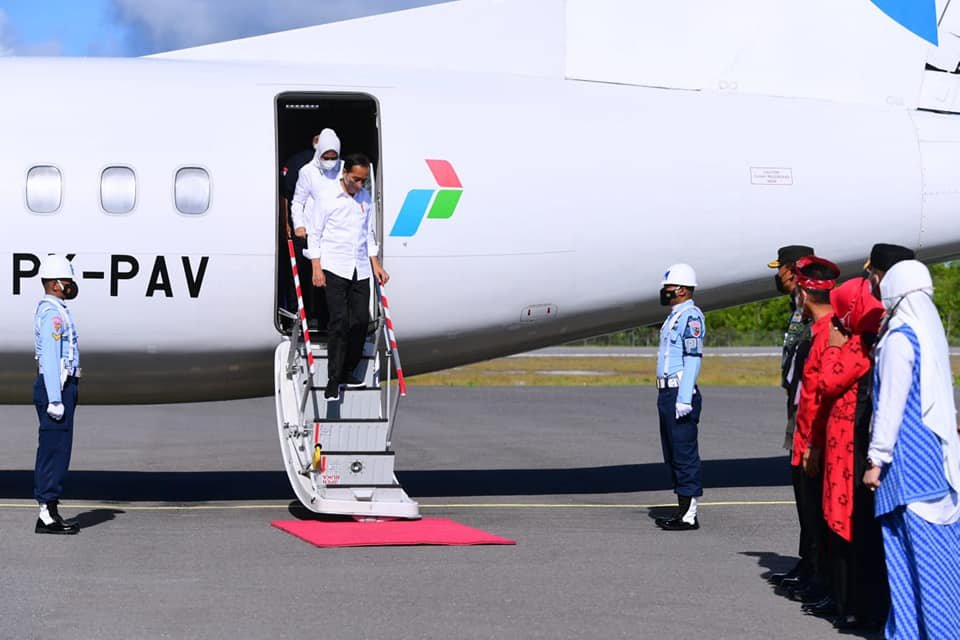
<point>55,391</point>
<point>678,399</point>
<point>343,235</point>
<point>313,178</point>
<point>816,277</point>
<point>914,460</point>
<point>289,173</point>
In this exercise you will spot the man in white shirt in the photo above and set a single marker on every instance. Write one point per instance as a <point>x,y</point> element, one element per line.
<point>343,248</point>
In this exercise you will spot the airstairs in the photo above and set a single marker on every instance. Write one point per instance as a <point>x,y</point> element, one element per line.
<point>338,454</point>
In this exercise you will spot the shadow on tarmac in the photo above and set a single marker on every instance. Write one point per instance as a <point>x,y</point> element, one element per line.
<point>777,563</point>
<point>772,562</point>
<point>204,486</point>
<point>627,478</point>
<point>94,517</point>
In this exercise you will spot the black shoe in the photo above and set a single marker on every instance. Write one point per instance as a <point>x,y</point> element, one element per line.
<point>57,527</point>
<point>332,392</point>
<point>662,521</point>
<point>55,513</point>
<point>777,578</point>
<point>825,608</point>
<point>849,623</point>
<point>812,594</point>
<point>788,585</point>
<point>678,524</point>
<point>813,605</point>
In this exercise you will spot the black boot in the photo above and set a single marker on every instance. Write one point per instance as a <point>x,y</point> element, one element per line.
<point>777,578</point>
<point>662,521</point>
<point>59,525</point>
<point>55,513</point>
<point>686,518</point>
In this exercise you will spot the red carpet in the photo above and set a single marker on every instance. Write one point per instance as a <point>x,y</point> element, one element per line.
<point>432,531</point>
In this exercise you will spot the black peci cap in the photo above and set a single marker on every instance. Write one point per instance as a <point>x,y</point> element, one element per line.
<point>884,256</point>
<point>790,254</point>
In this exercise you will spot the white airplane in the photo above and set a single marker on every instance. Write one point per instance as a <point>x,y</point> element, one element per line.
<point>539,164</point>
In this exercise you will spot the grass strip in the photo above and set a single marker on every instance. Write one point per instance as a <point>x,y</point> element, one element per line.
<point>563,371</point>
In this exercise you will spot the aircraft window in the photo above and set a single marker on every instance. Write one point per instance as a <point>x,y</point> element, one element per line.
<point>118,189</point>
<point>44,189</point>
<point>192,190</point>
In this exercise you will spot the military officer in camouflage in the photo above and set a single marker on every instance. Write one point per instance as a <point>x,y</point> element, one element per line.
<point>796,344</point>
<point>797,334</point>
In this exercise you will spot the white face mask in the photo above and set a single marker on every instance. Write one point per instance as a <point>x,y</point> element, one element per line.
<point>315,145</point>
<point>328,165</point>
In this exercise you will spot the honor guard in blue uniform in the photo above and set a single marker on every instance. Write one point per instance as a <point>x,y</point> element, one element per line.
<point>55,390</point>
<point>678,399</point>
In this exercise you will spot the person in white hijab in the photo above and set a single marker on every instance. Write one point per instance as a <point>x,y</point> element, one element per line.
<point>914,460</point>
<point>315,176</point>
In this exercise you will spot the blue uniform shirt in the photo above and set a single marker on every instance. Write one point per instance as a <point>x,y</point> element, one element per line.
<point>681,347</point>
<point>55,343</point>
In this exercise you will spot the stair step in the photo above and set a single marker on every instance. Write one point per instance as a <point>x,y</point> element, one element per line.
<point>355,404</point>
<point>361,468</point>
<point>348,389</point>
<point>344,438</point>
<point>342,421</point>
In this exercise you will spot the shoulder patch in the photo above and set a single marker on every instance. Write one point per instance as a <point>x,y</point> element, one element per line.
<point>695,326</point>
<point>57,324</point>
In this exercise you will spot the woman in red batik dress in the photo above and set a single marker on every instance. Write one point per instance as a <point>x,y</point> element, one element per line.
<point>855,544</point>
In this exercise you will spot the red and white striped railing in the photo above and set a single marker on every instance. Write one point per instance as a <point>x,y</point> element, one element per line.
<point>392,337</point>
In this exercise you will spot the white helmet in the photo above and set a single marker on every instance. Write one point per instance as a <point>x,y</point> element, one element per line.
<point>56,267</point>
<point>681,275</point>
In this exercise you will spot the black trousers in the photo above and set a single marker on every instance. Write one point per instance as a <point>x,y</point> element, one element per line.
<point>808,493</point>
<point>348,305</point>
<point>859,571</point>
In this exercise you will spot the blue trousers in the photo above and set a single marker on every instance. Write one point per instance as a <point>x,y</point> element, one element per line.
<point>55,443</point>
<point>923,568</point>
<point>679,441</point>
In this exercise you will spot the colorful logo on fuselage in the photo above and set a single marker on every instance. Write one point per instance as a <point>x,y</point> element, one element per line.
<point>917,16</point>
<point>436,204</point>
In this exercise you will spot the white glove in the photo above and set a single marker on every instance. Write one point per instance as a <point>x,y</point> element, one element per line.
<point>683,409</point>
<point>55,410</point>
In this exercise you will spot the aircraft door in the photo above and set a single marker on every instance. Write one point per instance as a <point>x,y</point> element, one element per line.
<point>300,117</point>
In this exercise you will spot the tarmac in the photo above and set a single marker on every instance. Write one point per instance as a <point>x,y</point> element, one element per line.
<point>175,504</point>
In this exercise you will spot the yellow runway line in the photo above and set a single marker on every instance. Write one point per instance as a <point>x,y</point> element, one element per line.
<point>451,505</point>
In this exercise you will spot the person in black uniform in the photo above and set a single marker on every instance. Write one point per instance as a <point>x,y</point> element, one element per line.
<point>796,343</point>
<point>288,184</point>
